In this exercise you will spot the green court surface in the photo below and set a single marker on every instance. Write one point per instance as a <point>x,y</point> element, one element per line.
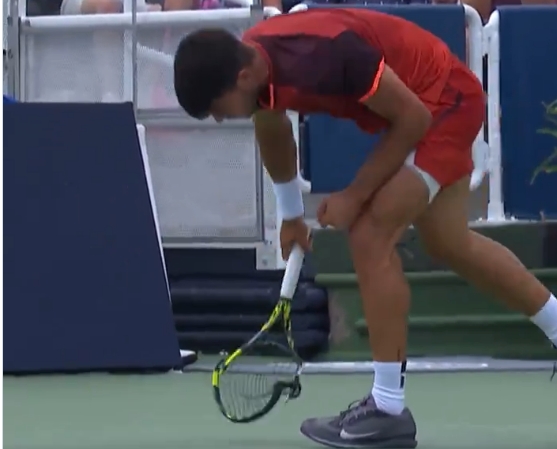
<point>171,411</point>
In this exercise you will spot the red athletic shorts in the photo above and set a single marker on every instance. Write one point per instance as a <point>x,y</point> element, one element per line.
<point>446,151</point>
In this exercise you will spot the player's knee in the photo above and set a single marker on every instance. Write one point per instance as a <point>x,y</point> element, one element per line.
<point>388,215</point>
<point>374,234</point>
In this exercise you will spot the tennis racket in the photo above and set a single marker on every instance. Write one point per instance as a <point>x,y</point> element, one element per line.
<point>245,393</point>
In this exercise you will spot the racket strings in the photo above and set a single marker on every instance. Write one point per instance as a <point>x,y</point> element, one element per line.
<point>245,392</point>
<point>244,395</point>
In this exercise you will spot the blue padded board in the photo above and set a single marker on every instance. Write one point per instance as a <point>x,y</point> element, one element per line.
<point>84,280</point>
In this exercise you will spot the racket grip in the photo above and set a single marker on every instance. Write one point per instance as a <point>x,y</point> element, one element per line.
<point>292,272</point>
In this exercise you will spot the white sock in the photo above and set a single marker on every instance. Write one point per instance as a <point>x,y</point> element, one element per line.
<point>546,319</point>
<point>388,386</point>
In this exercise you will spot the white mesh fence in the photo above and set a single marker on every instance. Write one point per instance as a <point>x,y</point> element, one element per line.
<point>205,182</point>
<point>88,65</point>
<point>206,178</point>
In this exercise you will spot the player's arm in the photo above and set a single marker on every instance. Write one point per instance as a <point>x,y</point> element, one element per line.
<point>369,80</point>
<point>273,131</point>
<point>409,121</point>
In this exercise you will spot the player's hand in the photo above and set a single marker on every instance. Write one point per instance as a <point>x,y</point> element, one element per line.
<point>339,210</point>
<point>293,232</point>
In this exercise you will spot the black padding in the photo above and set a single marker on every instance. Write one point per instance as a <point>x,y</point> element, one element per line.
<point>246,323</point>
<point>212,315</point>
<point>190,295</point>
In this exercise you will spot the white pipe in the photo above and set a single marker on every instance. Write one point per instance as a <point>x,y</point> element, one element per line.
<point>495,207</point>
<point>475,63</point>
<point>305,185</point>
<point>21,7</point>
<point>147,167</point>
<point>475,35</point>
<point>123,20</point>
<point>128,72</point>
<point>144,19</point>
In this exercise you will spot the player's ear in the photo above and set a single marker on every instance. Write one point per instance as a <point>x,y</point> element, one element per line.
<point>245,78</point>
<point>243,75</point>
<point>391,98</point>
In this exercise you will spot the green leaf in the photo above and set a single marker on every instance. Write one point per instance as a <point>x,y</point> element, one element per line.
<point>545,167</point>
<point>548,166</point>
<point>551,132</point>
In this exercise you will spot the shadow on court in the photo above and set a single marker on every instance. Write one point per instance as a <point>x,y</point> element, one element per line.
<point>176,411</point>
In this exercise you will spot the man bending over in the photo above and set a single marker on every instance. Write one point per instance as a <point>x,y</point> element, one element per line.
<point>389,75</point>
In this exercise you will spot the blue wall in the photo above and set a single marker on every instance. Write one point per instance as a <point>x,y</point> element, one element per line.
<point>529,109</point>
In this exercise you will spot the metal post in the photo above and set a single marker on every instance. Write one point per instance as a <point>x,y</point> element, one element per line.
<point>256,13</point>
<point>134,56</point>
<point>495,205</point>
<point>268,256</point>
<point>130,55</point>
<point>12,58</point>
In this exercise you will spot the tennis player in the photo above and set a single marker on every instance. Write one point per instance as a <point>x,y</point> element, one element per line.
<point>389,75</point>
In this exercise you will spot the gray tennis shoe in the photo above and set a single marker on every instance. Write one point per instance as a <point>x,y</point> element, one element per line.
<point>363,425</point>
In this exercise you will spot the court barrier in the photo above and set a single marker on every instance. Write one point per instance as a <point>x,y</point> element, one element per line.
<point>85,286</point>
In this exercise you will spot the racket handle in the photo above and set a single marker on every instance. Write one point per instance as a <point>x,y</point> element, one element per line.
<point>292,272</point>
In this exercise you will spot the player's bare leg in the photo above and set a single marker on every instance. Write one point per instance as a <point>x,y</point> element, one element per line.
<point>483,262</point>
<point>381,419</point>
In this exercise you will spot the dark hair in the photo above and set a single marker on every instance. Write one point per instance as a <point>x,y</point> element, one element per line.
<point>206,65</point>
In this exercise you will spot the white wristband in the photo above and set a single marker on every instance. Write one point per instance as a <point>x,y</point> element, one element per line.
<point>290,203</point>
